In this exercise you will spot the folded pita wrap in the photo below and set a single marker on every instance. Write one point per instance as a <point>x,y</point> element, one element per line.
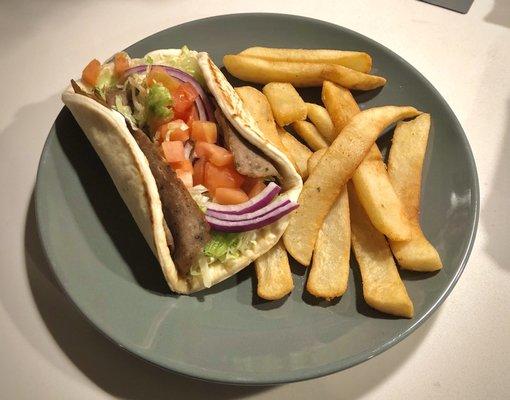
<point>111,136</point>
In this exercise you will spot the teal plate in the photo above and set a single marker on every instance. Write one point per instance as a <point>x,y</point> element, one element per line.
<point>226,334</point>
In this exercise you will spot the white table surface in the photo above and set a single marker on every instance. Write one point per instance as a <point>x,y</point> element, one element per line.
<point>48,351</point>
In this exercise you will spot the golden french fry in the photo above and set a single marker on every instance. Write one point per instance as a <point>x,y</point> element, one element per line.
<point>340,104</point>
<point>296,151</point>
<point>309,133</point>
<point>382,287</point>
<point>371,179</point>
<point>322,121</point>
<point>335,168</point>
<point>381,203</point>
<point>257,105</point>
<point>351,59</point>
<point>286,103</point>
<point>314,159</point>
<point>405,168</point>
<point>273,273</point>
<point>330,266</point>
<point>262,71</point>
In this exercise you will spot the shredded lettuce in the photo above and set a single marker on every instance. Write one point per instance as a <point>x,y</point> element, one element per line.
<point>149,60</point>
<point>222,245</point>
<point>186,61</point>
<point>158,100</point>
<point>123,109</point>
<point>197,192</point>
<point>105,80</point>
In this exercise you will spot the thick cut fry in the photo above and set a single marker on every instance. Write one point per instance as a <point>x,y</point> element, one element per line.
<point>315,158</point>
<point>257,70</point>
<point>296,151</point>
<point>286,103</point>
<point>351,59</point>
<point>340,104</point>
<point>330,267</point>
<point>322,121</point>
<point>335,168</point>
<point>382,287</point>
<point>379,198</point>
<point>257,105</point>
<point>371,179</point>
<point>309,133</point>
<point>273,273</point>
<point>405,168</point>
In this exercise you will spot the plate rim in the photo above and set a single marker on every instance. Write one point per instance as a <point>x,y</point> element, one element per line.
<point>291,376</point>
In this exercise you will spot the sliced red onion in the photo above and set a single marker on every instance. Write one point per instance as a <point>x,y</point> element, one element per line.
<point>255,203</point>
<point>204,106</point>
<point>243,217</point>
<point>243,226</point>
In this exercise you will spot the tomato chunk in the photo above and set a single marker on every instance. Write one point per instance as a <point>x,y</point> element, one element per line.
<point>199,171</point>
<point>213,153</point>
<point>179,134</point>
<point>120,63</point>
<point>253,186</point>
<point>173,151</point>
<point>204,131</point>
<point>230,196</point>
<point>185,176</point>
<point>224,177</point>
<point>184,165</point>
<point>91,72</point>
<point>191,116</point>
<point>183,98</point>
<point>158,74</point>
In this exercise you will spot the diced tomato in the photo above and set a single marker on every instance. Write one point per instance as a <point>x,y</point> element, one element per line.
<point>204,131</point>
<point>155,122</point>
<point>158,74</point>
<point>174,130</point>
<point>185,176</point>
<point>91,72</point>
<point>179,134</point>
<point>173,151</point>
<point>183,98</point>
<point>256,189</point>
<point>214,153</point>
<point>253,186</point>
<point>120,63</point>
<point>193,116</point>
<point>183,165</point>
<point>230,196</point>
<point>224,177</point>
<point>198,171</point>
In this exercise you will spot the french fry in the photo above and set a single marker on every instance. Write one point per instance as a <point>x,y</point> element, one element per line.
<point>309,133</point>
<point>405,168</point>
<point>322,121</point>
<point>257,105</point>
<point>314,159</point>
<point>371,179</point>
<point>382,287</point>
<point>351,59</point>
<point>335,168</point>
<point>286,103</point>
<point>296,151</point>
<point>340,105</point>
<point>330,266</point>
<point>273,273</point>
<point>261,71</point>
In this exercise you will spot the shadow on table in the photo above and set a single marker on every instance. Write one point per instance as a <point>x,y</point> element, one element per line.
<point>500,13</point>
<point>111,368</point>
<point>497,201</point>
